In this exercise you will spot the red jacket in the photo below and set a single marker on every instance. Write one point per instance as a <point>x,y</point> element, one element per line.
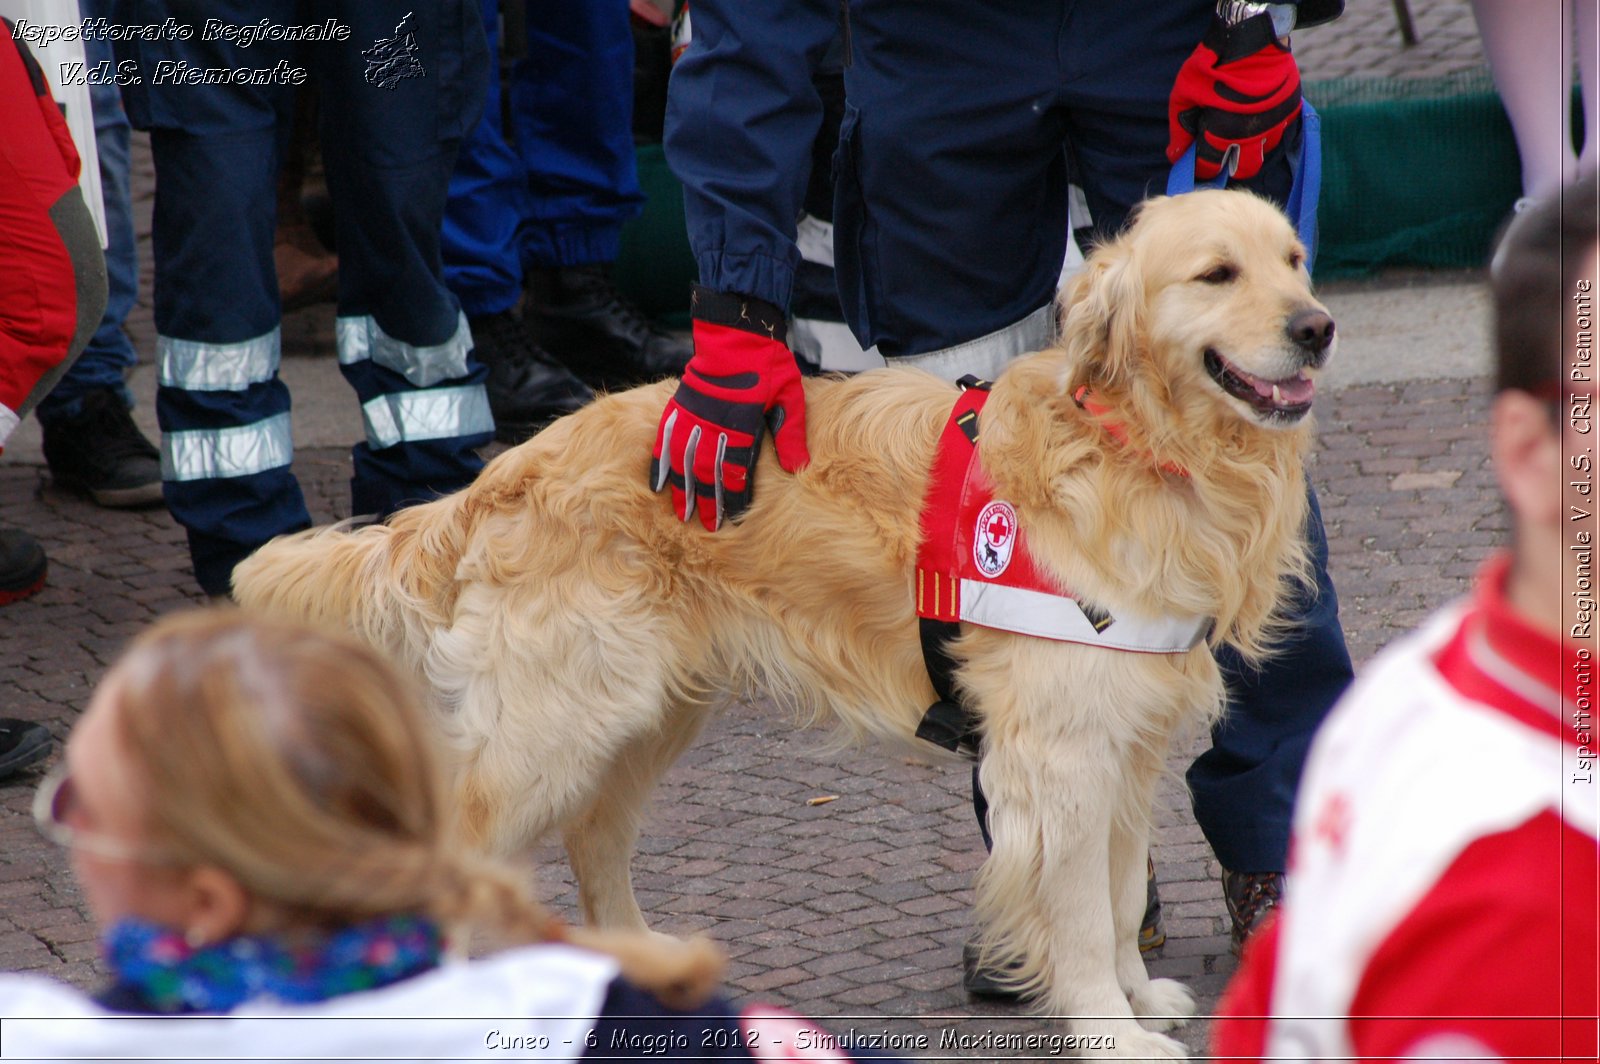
<point>38,294</point>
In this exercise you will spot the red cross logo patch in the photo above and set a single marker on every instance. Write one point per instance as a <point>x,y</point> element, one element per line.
<point>996,535</point>
<point>1333,822</point>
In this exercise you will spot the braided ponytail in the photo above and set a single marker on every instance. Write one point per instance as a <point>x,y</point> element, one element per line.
<point>303,764</point>
<point>484,894</point>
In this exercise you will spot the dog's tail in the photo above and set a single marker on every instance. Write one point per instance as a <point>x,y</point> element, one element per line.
<point>386,583</point>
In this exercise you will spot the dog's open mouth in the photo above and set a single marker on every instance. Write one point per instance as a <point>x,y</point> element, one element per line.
<point>1288,399</point>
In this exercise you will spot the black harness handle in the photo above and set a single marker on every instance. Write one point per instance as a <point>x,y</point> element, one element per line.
<point>948,723</point>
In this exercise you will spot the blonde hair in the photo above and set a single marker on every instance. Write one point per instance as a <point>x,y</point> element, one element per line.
<point>301,763</point>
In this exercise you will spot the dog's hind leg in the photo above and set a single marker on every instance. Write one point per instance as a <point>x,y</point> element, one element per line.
<point>600,842</point>
<point>540,690</point>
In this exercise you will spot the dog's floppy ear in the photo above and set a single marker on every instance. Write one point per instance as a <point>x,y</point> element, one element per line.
<point>1102,321</point>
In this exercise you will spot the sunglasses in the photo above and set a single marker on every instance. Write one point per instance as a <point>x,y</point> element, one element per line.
<point>55,801</point>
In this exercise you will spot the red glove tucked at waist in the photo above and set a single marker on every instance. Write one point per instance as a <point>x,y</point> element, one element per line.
<point>1239,89</point>
<point>741,381</point>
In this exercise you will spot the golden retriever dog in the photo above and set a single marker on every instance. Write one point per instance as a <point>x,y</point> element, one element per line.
<point>576,635</point>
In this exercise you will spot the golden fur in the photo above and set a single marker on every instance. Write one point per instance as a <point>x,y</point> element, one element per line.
<point>575,633</point>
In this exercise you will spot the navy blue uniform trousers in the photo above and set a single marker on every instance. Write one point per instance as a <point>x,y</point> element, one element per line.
<point>964,124</point>
<point>558,192</point>
<point>392,119</point>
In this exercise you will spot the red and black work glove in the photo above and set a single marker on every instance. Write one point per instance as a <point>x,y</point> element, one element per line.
<point>1239,89</point>
<point>741,381</point>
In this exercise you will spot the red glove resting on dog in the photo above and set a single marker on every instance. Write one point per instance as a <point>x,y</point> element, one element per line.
<point>742,380</point>
<point>1240,88</point>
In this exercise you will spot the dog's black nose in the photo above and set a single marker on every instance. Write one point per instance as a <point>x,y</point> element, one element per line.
<point>1312,331</point>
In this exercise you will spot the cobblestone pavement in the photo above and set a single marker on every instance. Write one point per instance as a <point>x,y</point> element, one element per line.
<point>1365,42</point>
<point>857,907</point>
<point>853,910</point>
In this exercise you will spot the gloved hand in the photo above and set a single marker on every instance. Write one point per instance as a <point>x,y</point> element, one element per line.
<point>742,380</point>
<point>1240,88</point>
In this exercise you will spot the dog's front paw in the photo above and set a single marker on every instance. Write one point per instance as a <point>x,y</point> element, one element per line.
<point>1162,1004</point>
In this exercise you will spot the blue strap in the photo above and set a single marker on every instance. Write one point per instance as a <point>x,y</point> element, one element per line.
<point>1307,169</point>
<point>1305,165</point>
<point>1181,179</point>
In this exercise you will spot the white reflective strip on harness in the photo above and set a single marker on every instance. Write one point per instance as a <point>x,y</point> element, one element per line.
<point>814,238</point>
<point>196,366</point>
<point>988,355</point>
<point>1037,613</point>
<point>359,338</point>
<point>435,414</point>
<point>8,423</point>
<point>238,451</point>
<point>831,345</point>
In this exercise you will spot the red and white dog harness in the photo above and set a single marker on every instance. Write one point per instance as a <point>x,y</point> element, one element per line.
<point>973,565</point>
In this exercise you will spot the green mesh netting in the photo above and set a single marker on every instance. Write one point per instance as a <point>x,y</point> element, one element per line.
<point>1417,172</point>
<point>654,265</point>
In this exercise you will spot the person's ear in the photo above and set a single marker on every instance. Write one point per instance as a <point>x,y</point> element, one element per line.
<point>218,906</point>
<point>1526,448</point>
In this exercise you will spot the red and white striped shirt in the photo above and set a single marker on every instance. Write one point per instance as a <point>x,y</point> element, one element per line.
<point>1443,891</point>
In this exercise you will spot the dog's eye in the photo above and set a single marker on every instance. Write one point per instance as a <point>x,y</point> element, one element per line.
<point>1296,260</point>
<point>1219,274</point>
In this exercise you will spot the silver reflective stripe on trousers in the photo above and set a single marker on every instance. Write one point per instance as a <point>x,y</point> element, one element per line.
<point>988,355</point>
<point>435,414</point>
<point>240,451</point>
<point>197,366</point>
<point>359,337</point>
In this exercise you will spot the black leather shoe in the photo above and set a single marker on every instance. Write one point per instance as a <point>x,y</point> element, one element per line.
<point>527,388</point>
<point>102,454</point>
<point>577,313</point>
<point>22,566</point>
<point>22,743</point>
<point>989,981</point>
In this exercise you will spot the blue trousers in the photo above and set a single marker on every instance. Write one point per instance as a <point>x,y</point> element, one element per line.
<point>964,125</point>
<point>559,192</point>
<point>391,121</point>
<point>743,114</point>
<point>109,354</point>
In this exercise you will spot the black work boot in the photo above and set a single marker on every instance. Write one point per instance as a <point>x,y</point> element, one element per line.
<point>22,743</point>
<point>527,387</point>
<point>578,314</point>
<point>22,565</point>
<point>102,454</point>
<point>991,981</point>
<point>1152,932</point>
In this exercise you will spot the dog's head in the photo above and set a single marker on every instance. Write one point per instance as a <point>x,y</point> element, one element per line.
<point>1205,294</point>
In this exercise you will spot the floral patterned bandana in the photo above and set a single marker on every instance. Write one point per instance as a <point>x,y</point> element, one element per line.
<point>175,977</point>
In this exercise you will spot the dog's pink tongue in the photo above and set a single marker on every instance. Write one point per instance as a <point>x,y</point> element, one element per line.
<point>1291,391</point>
